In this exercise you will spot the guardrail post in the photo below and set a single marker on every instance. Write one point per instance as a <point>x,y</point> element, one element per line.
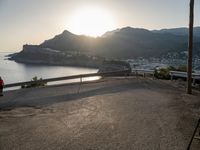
<point>80,84</point>
<point>144,74</point>
<point>171,77</point>
<point>136,73</point>
<point>193,81</point>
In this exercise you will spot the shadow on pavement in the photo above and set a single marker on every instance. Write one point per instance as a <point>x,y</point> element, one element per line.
<point>51,99</point>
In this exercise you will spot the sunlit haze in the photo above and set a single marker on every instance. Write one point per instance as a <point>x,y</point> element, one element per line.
<point>92,21</point>
<point>33,21</point>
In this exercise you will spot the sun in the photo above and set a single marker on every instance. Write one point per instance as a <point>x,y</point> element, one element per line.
<point>91,21</point>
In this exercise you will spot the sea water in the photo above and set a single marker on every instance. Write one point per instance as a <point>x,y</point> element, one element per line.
<point>13,72</point>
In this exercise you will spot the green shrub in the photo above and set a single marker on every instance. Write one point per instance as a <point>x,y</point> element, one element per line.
<point>37,83</point>
<point>182,68</point>
<point>162,73</point>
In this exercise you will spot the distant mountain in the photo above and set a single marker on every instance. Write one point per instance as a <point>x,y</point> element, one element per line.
<point>179,31</point>
<point>122,43</point>
<point>68,41</point>
<point>134,42</point>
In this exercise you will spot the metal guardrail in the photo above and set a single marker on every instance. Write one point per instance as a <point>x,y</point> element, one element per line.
<point>124,72</point>
<point>183,75</point>
<point>143,72</point>
<point>136,72</point>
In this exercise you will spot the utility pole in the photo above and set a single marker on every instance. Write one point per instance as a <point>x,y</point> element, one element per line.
<point>190,47</point>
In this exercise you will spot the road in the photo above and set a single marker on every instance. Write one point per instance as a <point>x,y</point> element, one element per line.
<point>116,113</point>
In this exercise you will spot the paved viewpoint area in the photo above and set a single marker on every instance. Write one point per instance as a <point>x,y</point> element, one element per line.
<point>116,113</point>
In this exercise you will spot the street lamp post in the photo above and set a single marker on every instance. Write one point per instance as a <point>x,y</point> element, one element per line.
<point>190,47</point>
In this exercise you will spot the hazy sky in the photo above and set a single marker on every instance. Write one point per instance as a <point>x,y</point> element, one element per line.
<point>33,21</point>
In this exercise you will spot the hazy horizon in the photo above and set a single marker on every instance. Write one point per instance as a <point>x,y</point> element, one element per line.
<point>10,51</point>
<point>32,22</point>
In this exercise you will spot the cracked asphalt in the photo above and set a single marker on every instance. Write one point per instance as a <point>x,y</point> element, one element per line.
<point>115,113</point>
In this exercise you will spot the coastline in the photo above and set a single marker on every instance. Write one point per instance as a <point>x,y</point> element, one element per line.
<point>13,72</point>
<point>36,63</point>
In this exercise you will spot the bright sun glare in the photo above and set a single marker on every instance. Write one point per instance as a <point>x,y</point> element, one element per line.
<point>91,21</point>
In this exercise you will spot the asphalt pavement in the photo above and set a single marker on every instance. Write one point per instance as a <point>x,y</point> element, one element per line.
<point>115,113</point>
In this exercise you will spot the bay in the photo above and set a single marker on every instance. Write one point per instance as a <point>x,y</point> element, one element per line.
<point>13,72</point>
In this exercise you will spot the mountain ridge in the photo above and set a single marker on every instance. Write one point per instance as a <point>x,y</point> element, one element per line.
<point>124,43</point>
<point>179,31</point>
